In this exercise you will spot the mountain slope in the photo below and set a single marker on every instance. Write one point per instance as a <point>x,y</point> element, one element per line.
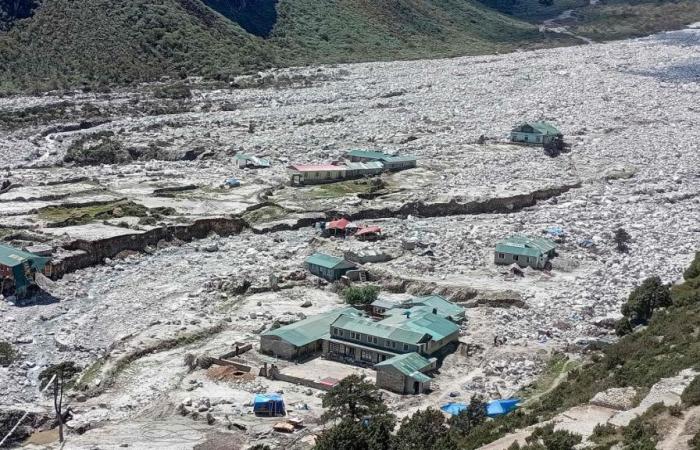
<point>66,42</point>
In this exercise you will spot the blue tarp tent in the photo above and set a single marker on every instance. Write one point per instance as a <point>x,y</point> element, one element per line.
<point>268,404</point>
<point>494,408</point>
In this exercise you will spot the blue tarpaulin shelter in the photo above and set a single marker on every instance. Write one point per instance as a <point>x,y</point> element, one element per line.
<point>494,408</point>
<point>501,407</point>
<point>268,404</point>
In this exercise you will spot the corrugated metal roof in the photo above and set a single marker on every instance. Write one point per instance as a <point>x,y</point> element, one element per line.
<point>379,329</point>
<point>369,154</point>
<point>254,159</point>
<point>422,321</point>
<point>401,158</point>
<point>12,257</point>
<point>318,168</point>
<point>310,329</point>
<point>444,307</point>
<point>409,364</point>
<point>541,127</point>
<point>526,246</point>
<point>329,262</point>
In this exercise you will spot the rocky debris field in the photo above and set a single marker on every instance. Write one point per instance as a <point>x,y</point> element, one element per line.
<point>629,110</point>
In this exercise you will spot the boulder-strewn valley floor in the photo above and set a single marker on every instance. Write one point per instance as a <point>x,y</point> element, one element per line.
<point>630,109</point>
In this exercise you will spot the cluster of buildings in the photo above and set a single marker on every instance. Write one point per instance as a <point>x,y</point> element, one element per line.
<point>361,163</point>
<point>401,341</point>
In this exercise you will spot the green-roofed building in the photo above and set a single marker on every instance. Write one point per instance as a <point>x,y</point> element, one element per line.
<point>405,374</point>
<point>244,161</point>
<point>328,267</point>
<point>536,133</point>
<point>18,270</point>
<point>303,338</point>
<point>525,251</point>
<point>391,163</point>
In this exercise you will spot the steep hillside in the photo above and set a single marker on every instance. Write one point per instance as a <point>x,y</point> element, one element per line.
<point>102,42</point>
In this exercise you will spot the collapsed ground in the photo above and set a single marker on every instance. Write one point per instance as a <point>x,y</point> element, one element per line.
<point>629,110</point>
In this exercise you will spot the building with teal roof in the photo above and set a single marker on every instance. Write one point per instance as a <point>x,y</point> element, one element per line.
<point>525,251</point>
<point>535,133</point>
<point>405,374</point>
<point>18,270</point>
<point>328,267</point>
<point>303,338</point>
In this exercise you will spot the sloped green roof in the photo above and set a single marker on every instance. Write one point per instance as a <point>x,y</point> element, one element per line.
<point>409,364</point>
<point>444,307</point>
<point>310,329</point>
<point>329,262</point>
<point>541,127</point>
<point>525,246</point>
<point>422,321</point>
<point>379,329</point>
<point>12,257</point>
<point>401,158</point>
<point>370,154</point>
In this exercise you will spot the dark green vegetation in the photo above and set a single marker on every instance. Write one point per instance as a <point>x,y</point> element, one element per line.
<point>642,303</point>
<point>360,295</point>
<point>101,42</point>
<point>361,421</point>
<point>257,17</point>
<point>7,354</point>
<point>545,438</point>
<point>66,371</point>
<point>691,394</point>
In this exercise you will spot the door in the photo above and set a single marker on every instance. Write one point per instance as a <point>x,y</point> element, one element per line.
<point>416,387</point>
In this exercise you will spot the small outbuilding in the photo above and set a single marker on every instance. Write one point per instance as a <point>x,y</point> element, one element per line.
<point>525,251</point>
<point>405,374</point>
<point>535,133</point>
<point>18,270</point>
<point>244,161</point>
<point>316,173</point>
<point>328,267</point>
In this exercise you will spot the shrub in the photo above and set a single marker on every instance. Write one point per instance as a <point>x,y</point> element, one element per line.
<point>695,442</point>
<point>691,394</point>
<point>174,91</point>
<point>7,354</point>
<point>361,295</point>
<point>622,239</point>
<point>67,370</point>
<point>642,302</point>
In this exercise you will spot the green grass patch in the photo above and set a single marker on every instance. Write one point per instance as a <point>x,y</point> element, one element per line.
<point>62,216</point>
<point>557,367</point>
<point>265,214</point>
<point>340,189</point>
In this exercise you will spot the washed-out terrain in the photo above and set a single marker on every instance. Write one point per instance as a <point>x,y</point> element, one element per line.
<point>629,109</point>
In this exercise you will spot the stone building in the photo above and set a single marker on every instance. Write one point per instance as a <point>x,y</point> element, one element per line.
<point>405,374</point>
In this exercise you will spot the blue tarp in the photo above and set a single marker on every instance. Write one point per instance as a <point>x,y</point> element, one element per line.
<point>232,182</point>
<point>494,408</point>
<point>268,404</point>
<point>556,231</point>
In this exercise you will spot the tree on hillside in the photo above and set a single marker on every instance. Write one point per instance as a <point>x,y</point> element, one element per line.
<point>640,306</point>
<point>365,421</point>
<point>424,430</point>
<point>353,398</point>
<point>622,239</point>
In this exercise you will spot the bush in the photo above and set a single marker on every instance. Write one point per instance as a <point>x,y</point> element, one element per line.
<point>691,394</point>
<point>7,354</point>
<point>67,370</point>
<point>695,442</point>
<point>174,91</point>
<point>361,295</point>
<point>622,238</point>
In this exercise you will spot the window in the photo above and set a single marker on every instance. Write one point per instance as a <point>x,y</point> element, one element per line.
<point>515,257</point>
<point>335,331</point>
<point>340,332</point>
<point>365,355</point>
<point>501,256</point>
<point>405,347</point>
<point>374,339</point>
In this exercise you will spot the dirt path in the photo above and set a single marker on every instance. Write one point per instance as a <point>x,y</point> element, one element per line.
<point>553,26</point>
<point>684,430</point>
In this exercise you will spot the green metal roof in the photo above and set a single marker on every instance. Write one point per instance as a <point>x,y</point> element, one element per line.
<point>423,321</point>
<point>401,158</point>
<point>409,364</point>
<point>329,262</point>
<point>376,165</point>
<point>12,257</point>
<point>310,329</point>
<point>379,329</point>
<point>370,154</point>
<point>444,307</point>
<point>541,127</point>
<point>525,246</point>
